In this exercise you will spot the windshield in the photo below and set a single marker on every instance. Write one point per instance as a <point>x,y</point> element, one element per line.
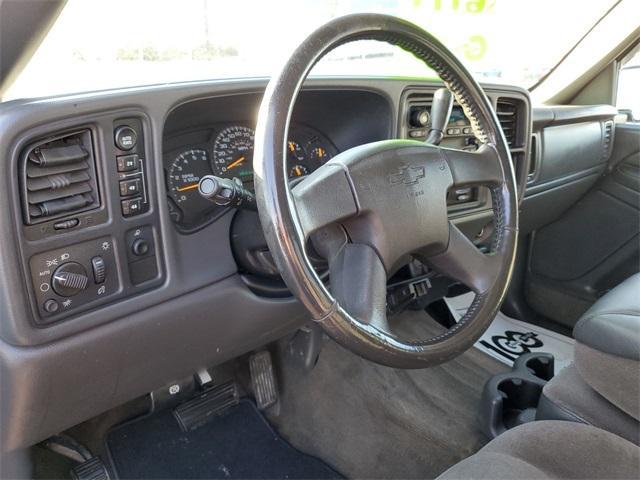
<point>100,44</point>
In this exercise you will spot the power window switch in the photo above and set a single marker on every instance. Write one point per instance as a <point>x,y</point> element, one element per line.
<point>130,187</point>
<point>131,207</point>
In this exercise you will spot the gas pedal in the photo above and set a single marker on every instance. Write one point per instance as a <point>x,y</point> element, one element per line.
<point>213,402</point>
<point>263,380</point>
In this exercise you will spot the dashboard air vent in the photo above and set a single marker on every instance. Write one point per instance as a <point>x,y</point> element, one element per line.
<point>533,162</point>
<point>59,177</point>
<point>507,112</point>
<point>607,139</point>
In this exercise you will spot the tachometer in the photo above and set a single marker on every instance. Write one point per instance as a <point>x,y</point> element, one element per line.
<point>233,153</point>
<point>186,206</point>
<point>185,173</point>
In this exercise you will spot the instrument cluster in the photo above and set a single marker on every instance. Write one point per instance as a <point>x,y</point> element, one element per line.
<point>227,151</point>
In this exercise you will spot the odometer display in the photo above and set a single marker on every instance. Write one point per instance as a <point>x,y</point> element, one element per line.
<point>233,153</point>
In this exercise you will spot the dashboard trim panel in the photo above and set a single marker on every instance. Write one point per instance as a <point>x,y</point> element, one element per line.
<point>197,314</point>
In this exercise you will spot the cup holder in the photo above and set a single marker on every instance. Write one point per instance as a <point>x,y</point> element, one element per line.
<point>540,365</point>
<point>511,399</point>
<point>520,399</point>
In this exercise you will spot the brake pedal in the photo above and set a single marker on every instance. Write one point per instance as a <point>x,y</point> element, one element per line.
<point>213,402</point>
<point>92,469</point>
<point>263,379</point>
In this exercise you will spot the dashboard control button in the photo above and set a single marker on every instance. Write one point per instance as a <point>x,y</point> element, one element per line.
<point>467,130</point>
<point>99,269</point>
<point>419,117</point>
<point>69,279</point>
<point>140,247</point>
<point>417,133</point>
<point>129,187</point>
<point>131,207</point>
<point>66,224</point>
<point>453,131</point>
<point>125,137</point>
<point>51,306</point>
<point>127,163</point>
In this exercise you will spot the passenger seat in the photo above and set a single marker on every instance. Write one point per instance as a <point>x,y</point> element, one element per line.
<point>602,387</point>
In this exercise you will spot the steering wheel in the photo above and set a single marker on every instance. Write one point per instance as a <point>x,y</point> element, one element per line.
<point>371,208</point>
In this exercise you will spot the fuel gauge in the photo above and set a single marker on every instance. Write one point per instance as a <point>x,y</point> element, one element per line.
<point>298,171</point>
<point>319,155</point>
<point>295,153</point>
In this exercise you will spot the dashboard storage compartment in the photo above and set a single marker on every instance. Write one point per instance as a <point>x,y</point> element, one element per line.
<point>511,399</point>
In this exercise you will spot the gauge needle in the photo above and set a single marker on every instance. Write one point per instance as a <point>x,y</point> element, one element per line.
<point>298,171</point>
<point>235,163</point>
<point>188,187</point>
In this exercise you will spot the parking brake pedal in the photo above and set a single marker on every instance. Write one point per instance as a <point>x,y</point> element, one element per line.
<point>263,379</point>
<point>213,402</point>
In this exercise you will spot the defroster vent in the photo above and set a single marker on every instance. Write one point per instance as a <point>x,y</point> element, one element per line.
<point>59,177</point>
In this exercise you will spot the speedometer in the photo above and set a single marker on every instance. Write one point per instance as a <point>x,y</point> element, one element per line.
<point>233,153</point>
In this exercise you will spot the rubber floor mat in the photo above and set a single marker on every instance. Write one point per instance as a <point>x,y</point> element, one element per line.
<point>239,444</point>
<point>507,338</point>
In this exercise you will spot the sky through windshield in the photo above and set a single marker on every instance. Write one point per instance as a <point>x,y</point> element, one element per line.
<point>98,44</point>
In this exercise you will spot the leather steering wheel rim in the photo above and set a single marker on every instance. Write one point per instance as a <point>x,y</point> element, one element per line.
<point>341,205</point>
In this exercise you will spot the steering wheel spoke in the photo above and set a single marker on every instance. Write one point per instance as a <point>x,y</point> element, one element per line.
<point>323,198</point>
<point>480,167</point>
<point>464,262</point>
<point>359,284</point>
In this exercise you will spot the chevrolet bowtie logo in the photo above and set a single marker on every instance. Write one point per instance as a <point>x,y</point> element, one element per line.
<point>407,175</point>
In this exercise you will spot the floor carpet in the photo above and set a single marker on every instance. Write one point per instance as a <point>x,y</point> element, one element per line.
<point>370,421</point>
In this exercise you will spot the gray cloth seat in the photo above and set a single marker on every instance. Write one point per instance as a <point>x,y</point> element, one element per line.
<point>568,397</point>
<point>551,450</point>
<point>607,352</point>
<point>602,387</point>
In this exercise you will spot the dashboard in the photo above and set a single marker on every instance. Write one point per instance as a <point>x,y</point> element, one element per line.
<point>121,268</point>
<point>226,150</point>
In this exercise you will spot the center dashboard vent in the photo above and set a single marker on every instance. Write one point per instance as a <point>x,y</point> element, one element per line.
<point>507,111</point>
<point>59,177</point>
<point>607,139</point>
